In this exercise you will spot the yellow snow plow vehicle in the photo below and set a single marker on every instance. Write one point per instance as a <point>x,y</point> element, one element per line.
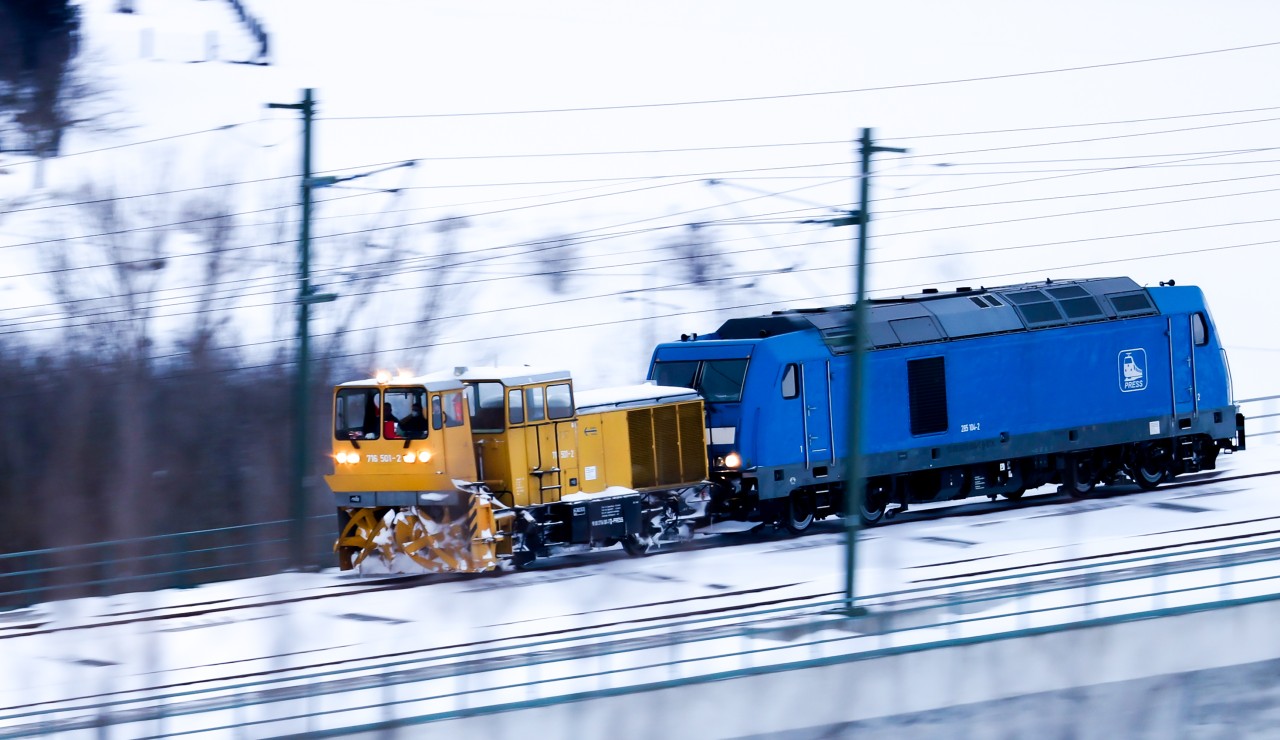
<point>464,471</point>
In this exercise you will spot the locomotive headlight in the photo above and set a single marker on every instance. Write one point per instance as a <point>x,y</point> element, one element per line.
<point>383,377</point>
<point>342,457</point>
<point>410,457</point>
<point>732,460</point>
<point>424,456</point>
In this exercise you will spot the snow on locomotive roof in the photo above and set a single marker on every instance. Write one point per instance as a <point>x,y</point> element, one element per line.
<point>933,316</point>
<point>602,398</point>
<point>509,375</point>
<point>512,375</point>
<point>430,382</point>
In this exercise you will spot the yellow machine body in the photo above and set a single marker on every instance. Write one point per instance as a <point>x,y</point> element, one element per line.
<point>499,443</point>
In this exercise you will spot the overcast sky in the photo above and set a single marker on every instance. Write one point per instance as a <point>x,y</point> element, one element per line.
<point>394,78</point>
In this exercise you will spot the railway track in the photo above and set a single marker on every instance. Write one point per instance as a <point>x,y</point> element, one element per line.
<point>720,613</point>
<point>349,586</point>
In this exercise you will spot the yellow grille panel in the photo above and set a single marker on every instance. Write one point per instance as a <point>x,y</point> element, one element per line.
<point>640,429</point>
<point>693,445</point>
<point>667,445</point>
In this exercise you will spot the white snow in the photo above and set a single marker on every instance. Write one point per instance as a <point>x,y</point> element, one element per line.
<point>964,575</point>
<point>606,493</point>
<point>630,394</point>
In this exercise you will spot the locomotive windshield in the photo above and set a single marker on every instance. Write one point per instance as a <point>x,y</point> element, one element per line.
<point>716,380</point>
<point>368,413</point>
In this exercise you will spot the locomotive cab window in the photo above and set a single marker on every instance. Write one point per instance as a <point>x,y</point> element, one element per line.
<point>405,406</point>
<point>356,414</point>
<point>559,401</point>
<point>533,400</point>
<point>437,413</point>
<point>515,406</point>
<point>721,380</point>
<point>453,408</point>
<point>676,374</point>
<point>716,380</point>
<point>1199,329</point>
<point>790,382</point>
<point>484,400</point>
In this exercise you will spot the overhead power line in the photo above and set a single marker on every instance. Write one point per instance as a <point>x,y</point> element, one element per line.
<point>598,270</point>
<point>224,127</point>
<point>619,152</point>
<point>1080,125</point>
<point>820,93</point>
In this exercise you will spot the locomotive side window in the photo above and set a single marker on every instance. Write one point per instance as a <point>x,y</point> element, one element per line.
<point>452,402</point>
<point>533,399</point>
<point>485,402</point>
<point>559,401</point>
<point>927,392</point>
<point>790,382</point>
<point>1199,329</point>
<point>515,406</point>
<point>437,413</point>
<point>677,374</point>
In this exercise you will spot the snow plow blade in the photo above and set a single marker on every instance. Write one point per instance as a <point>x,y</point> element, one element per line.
<point>420,539</point>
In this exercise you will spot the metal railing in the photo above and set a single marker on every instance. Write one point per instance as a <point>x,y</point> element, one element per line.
<point>181,560</point>
<point>448,683</point>
<point>1265,405</point>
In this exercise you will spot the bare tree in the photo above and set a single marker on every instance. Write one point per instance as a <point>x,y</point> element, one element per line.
<point>554,259</point>
<point>698,259</point>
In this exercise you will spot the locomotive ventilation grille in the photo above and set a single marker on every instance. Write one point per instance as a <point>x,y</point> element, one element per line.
<point>667,445</point>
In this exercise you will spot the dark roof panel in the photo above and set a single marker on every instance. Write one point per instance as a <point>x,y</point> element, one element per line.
<point>934,317</point>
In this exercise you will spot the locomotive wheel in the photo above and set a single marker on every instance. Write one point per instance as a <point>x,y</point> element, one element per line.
<point>799,516</point>
<point>1079,478</point>
<point>871,507</point>
<point>1149,467</point>
<point>1014,495</point>
<point>870,512</point>
<point>637,546</point>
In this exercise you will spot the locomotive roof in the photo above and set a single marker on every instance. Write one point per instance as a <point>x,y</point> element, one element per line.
<point>453,379</point>
<point>933,316</point>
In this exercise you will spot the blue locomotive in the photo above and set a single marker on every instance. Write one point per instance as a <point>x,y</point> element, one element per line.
<point>989,391</point>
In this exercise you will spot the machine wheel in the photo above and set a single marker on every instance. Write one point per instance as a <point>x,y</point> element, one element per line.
<point>799,515</point>
<point>1079,477</point>
<point>1014,495</point>
<point>637,546</point>
<point>1149,467</point>
<point>870,512</point>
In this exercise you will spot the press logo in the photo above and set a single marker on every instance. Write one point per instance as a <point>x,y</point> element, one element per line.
<point>1132,364</point>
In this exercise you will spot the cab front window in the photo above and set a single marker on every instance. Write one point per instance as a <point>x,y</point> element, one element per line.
<point>356,415</point>
<point>372,413</point>
<point>715,380</point>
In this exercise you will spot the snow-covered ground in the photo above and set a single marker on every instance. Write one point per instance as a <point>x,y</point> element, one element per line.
<point>1017,201</point>
<point>302,643</point>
